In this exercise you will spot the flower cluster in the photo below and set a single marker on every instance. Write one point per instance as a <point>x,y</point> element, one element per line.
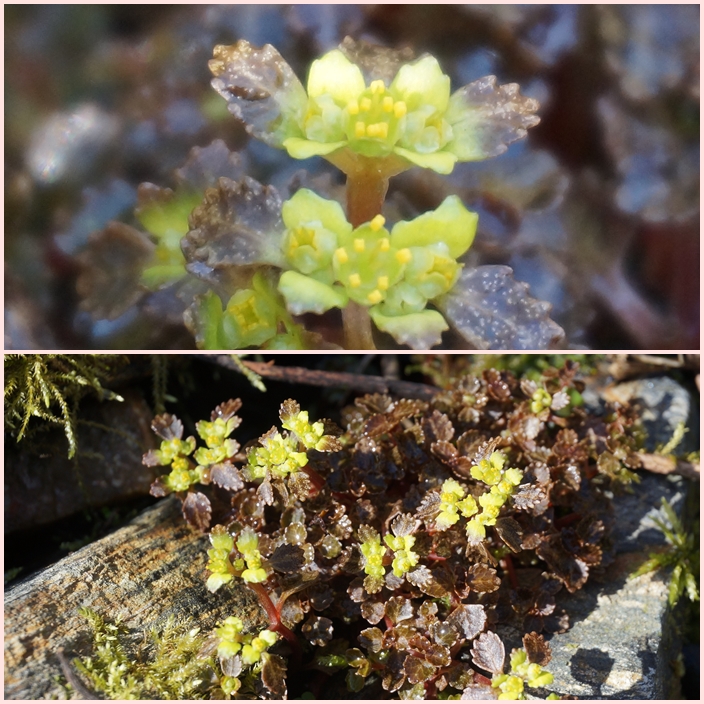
<point>311,435</point>
<point>219,445</point>
<point>248,545</point>
<point>233,641</point>
<point>277,454</point>
<point>175,452</point>
<point>393,273</point>
<point>510,685</point>
<point>404,557</point>
<point>453,503</point>
<point>219,565</point>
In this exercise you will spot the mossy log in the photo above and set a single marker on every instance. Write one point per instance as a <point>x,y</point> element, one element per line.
<point>150,569</point>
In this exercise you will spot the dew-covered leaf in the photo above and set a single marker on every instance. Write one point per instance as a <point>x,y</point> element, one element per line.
<point>227,476</point>
<point>435,653</point>
<point>237,224</point>
<point>531,497</point>
<point>425,580</point>
<point>488,653</point>
<point>167,427</point>
<point>418,669</point>
<point>371,639</point>
<point>404,524</point>
<point>372,611</point>
<point>468,619</point>
<point>226,410</point>
<point>492,310</point>
<point>197,510</point>
<point>395,673</point>
<point>538,650</point>
<point>111,269</point>
<point>261,90</point>
<point>417,691</point>
<point>274,674</point>
<point>205,165</point>
<point>317,630</point>
<point>486,118</point>
<point>287,559</point>
<point>399,609</point>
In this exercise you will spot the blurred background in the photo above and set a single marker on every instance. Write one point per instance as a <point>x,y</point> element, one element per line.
<point>597,210</point>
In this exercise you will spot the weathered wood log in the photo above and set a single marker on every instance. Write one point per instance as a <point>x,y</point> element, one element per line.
<point>150,569</point>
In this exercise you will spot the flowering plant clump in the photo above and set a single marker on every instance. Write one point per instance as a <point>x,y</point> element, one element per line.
<point>254,268</point>
<point>385,555</point>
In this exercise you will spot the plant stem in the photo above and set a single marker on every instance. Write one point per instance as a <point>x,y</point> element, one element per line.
<point>357,326</point>
<point>275,623</point>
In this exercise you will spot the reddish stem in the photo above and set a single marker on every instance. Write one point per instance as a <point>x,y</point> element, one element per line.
<point>275,623</point>
<point>433,556</point>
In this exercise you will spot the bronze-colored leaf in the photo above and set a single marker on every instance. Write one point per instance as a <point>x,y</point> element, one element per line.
<point>159,488</point>
<point>493,311</point>
<point>435,653</point>
<point>426,581</point>
<point>538,650</point>
<point>372,610</point>
<point>468,619</point>
<point>399,609</point>
<point>111,269</point>
<point>274,675</point>
<point>417,669</point>
<point>482,578</point>
<point>444,633</point>
<point>299,485</point>
<point>395,672</point>
<point>572,571</point>
<point>231,666</point>
<point>227,476</point>
<point>227,410</point>
<point>437,427</point>
<point>460,675</point>
<point>373,584</point>
<point>261,90</point>
<point>266,491</point>
<point>287,558</point>
<point>167,427</point>
<point>479,692</point>
<point>237,224</point>
<point>510,532</point>
<point>371,639</point>
<point>317,630</point>
<point>488,653</point>
<point>197,510</point>
<point>404,524</point>
<point>530,497</point>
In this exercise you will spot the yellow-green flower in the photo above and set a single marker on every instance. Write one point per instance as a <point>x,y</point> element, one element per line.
<point>404,557</point>
<point>248,545</point>
<point>373,553</point>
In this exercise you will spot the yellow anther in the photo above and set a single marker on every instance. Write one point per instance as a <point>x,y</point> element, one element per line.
<point>400,109</point>
<point>354,280</point>
<point>376,296</point>
<point>360,129</point>
<point>365,104</point>
<point>403,256</point>
<point>377,87</point>
<point>358,245</point>
<point>383,130</point>
<point>353,107</point>
<point>373,130</point>
<point>377,223</point>
<point>387,103</point>
<point>382,283</point>
<point>342,255</point>
<point>384,244</point>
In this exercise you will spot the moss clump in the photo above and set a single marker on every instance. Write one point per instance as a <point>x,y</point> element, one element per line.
<point>49,386</point>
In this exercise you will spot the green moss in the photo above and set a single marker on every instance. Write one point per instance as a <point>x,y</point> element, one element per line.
<point>49,386</point>
<point>166,664</point>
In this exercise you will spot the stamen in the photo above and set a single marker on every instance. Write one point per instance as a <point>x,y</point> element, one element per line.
<point>342,255</point>
<point>365,104</point>
<point>373,130</point>
<point>375,297</point>
<point>360,129</point>
<point>355,280</point>
<point>377,223</point>
<point>353,107</point>
<point>384,244</point>
<point>383,283</point>
<point>377,87</point>
<point>359,245</point>
<point>400,109</point>
<point>403,256</point>
<point>387,104</point>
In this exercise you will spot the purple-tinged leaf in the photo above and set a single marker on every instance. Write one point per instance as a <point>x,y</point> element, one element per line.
<point>197,510</point>
<point>227,476</point>
<point>478,692</point>
<point>226,410</point>
<point>493,311</point>
<point>488,653</point>
<point>287,559</point>
<point>538,650</point>
<point>159,488</point>
<point>372,611</point>
<point>317,630</point>
<point>274,675</point>
<point>261,90</point>
<point>399,609</point>
<point>404,524</point>
<point>468,619</point>
<point>167,427</point>
<point>205,165</point>
<point>237,224</point>
<point>418,669</point>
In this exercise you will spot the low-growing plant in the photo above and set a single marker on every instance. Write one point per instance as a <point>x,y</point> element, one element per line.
<point>388,557</point>
<point>256,268</point>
